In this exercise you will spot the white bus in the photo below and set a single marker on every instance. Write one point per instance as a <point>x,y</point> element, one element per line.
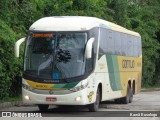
<point>75,60</point>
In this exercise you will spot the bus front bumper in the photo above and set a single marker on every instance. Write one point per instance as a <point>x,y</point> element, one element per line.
<point>75,98</point>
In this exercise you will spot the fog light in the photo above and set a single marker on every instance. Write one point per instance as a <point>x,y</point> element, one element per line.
<point>78,98</point>
<point>26,97</point>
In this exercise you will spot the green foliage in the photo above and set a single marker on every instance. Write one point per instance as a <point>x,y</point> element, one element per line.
<point>142,16</point>
<point>17,15</point>
<point>145,20</point>
<point>9,67</point>
<point>12,99</point>
<point>120,11</point>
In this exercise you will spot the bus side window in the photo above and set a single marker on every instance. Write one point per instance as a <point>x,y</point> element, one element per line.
<point>124,44</point>
<point>135,47</point>
<point>110,43</point>
<point>117,42</point>
<point>103,41</point>
<point>139,46</point>
<point>129,45</point>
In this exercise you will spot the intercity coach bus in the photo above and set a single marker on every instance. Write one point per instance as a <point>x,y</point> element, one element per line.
<point>75,60</point>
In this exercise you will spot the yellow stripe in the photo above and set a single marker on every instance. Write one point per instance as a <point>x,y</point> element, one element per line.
<point>127,73</point>
<point>37,85</point>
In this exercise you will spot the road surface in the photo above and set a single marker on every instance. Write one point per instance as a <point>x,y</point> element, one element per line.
<point>144,101</point>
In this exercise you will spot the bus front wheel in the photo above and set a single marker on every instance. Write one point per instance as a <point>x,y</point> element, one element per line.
<point>43,107</point>
<point>94,106</point>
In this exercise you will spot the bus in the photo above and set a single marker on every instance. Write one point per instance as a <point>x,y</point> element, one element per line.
<point>80,60</point>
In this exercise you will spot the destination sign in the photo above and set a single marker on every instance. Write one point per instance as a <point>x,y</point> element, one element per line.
<point>42,35</point>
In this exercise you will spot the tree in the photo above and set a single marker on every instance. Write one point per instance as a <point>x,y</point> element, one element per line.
<point>10,83</point>
<point>120,11</point>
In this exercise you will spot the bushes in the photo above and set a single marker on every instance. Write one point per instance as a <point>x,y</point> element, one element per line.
<point>9,66</point>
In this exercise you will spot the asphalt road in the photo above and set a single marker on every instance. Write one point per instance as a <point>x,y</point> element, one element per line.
<point>144,101</point>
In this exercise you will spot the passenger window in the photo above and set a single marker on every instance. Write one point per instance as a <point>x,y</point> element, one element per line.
<point>117,47</point>
<point>130,45</point>
<point>135,47</point>
<point>103,41</point>
<point>124,44</point>
<point>139,46</point>
<point>110,43</point>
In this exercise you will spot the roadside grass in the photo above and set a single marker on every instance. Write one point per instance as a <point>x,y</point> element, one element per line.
<point>151,87</point>
<point>13,99</point>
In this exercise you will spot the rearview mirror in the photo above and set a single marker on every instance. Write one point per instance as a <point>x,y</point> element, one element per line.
<point>88,50</point>
<point>17,45</point>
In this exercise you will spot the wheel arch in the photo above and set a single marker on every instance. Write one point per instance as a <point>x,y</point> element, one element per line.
<point>130,83</point>
<point>100,90</point>
<point>134,86</point>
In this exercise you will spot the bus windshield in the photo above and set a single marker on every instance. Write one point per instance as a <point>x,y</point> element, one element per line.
<point>55,55</point>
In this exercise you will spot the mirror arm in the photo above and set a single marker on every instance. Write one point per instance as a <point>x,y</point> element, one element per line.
<point>17,45</point>
<point>88,51</point>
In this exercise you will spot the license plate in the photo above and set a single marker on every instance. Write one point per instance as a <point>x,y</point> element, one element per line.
<point>51,99</point>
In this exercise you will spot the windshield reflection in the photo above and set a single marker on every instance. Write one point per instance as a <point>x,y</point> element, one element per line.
<point>55,56</point>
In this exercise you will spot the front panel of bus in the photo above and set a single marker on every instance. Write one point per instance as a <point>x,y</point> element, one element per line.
<point>55,69</point>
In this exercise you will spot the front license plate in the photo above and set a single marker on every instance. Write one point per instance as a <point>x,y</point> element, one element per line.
<point>51,99</point>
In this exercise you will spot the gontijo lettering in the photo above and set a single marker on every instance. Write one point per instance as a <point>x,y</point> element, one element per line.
<point>128,63</point>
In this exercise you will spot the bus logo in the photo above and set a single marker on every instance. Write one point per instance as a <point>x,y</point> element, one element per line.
<point>51,92</point>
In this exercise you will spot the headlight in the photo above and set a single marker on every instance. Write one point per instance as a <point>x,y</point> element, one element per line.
<point>27,87</point>
<point>26,97</point>
<point>78,88</point>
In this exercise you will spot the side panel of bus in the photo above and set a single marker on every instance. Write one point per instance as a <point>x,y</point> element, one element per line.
<point>119,62</point>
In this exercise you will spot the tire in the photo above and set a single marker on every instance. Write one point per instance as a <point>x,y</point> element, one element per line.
<point>117,101</point>
<point>94,106</point>
<point>125,100</point>
<point>131,95</point>
<point>43,107</point>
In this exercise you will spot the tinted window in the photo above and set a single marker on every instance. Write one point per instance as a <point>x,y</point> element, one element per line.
<point>117,43</point>
<point>124,44</point>
<point>139,46</point>
<point>110,43</point>
<point>129,45</point>
<point>135,47</point>
<point>117,37</point>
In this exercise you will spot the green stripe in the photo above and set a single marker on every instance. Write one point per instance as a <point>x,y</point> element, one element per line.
<point>71,85</point>
<point>111,73</point>
<point>117,73</point>
<point>114,75</point>
<point>58,85</point>
<point>67,85</point>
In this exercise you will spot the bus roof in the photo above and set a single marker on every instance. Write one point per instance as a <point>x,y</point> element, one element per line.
<point>75,23</point>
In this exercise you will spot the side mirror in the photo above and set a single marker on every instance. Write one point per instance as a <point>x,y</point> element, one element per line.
<point>17,45</point>
<point>88,50</point>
